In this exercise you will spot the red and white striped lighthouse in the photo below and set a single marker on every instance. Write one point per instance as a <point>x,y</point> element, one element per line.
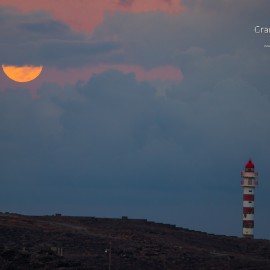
<point>248,183</point>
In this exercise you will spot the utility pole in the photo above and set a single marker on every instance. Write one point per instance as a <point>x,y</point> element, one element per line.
<point>110,255</point>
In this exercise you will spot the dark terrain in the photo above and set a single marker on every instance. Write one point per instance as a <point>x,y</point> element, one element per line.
<point>35,242</point>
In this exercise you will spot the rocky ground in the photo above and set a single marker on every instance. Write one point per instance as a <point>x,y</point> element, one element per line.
<point>60,242</point>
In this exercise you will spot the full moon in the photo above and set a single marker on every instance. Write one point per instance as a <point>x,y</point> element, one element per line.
<point>22,74</point>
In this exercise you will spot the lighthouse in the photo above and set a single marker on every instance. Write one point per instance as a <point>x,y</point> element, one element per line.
<point>248,183</point>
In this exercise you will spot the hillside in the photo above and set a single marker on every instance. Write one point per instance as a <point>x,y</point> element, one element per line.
<point>61,242</point>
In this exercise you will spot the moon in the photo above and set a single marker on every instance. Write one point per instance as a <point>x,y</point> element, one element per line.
<point>22,74</point>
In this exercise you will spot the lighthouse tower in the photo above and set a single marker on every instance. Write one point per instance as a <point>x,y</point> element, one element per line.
<point>248,183</point>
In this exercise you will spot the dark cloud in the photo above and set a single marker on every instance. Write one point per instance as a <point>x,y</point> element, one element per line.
<point>37,39</point>
<point>52,28</point>
<point>74,53</point>
<point>114,143</point>
<point>207,46</point>
<point>126,2</point>
<point>157,39</point>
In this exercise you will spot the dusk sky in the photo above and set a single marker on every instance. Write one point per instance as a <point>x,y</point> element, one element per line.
<point>144,108</point>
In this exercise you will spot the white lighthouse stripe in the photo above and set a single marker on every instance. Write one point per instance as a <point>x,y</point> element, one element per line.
<point>248,203</point>
<point>249,182</point>
<point>249,174</point>
<point>248,216</point>
<point>248,231</point>
<point>248,190</point>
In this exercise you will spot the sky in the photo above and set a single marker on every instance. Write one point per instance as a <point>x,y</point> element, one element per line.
<point>146,109</point>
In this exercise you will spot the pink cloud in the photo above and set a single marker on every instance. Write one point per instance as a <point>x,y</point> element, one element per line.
<point>71,76</point>
<point>164,73</point>
<point>85,15</point>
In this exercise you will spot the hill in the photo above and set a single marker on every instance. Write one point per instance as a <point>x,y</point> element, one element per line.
<point>64,242</point>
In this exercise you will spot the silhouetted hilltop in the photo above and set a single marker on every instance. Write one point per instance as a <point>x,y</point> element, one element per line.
<point>63,242</point>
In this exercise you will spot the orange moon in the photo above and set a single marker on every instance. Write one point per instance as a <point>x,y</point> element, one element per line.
<point>22,74</point>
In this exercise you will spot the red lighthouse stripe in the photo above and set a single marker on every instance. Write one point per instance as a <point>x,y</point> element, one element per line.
<point>248,210</point>
<point>248,223</point>
<point>248,197</point>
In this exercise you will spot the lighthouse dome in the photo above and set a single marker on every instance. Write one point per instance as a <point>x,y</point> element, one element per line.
<point>249,166</point>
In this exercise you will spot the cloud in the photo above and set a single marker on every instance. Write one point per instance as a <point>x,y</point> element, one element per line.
<point>86,16</point>
<point>158,39</point>
<point>158,74</point>
<point>37,39</point>
<point>115,137</point>
<point>126,2</point>
<point>73,53</point>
